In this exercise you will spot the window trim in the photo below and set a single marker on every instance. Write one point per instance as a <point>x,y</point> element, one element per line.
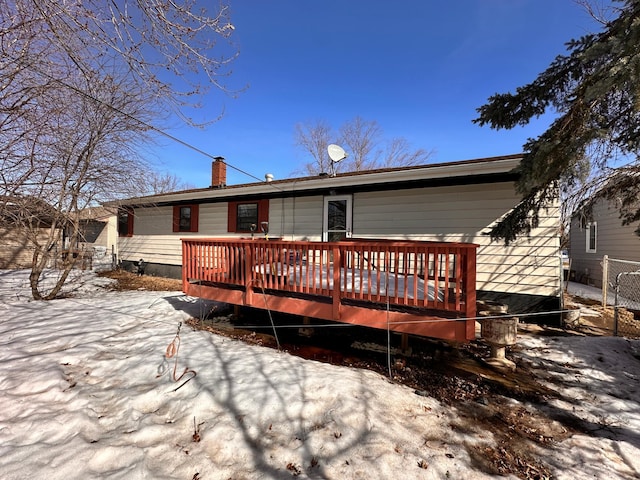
<point>129,212</point>
<point>194,216</point>
<point>583,222</point>
<point>348,229</point>
<point>589,227</point>
<point>232,214</point>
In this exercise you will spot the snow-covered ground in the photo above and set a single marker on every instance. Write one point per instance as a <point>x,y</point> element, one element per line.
<point>87,391</point>
<point>587,291</point>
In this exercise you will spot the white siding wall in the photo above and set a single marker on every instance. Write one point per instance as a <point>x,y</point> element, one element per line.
<point>112,235</point>
<point>296,218</point>
<point>612,239</point>
<point>464,214</point>
<point>153,237</point>
<point>213,220</point>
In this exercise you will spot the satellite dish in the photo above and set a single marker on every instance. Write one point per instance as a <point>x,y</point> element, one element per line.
<point>336,153</point>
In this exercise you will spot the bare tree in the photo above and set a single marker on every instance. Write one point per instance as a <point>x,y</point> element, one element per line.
<point>84,154</point>
<point>166,46</point>
<point>313,139</point>
<point>83,86</point>
<point>364,142</point>
<point>361,138</point>
<point>156,183</point>
<point>400,153</point>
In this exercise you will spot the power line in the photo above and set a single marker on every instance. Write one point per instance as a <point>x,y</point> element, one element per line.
<point>141,122</point>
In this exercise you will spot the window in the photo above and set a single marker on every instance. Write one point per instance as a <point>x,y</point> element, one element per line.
<point>185,218</point>
<point>244,214</point>
<point>247,217</point>
<point>592,237</point>
<point>125,222</point>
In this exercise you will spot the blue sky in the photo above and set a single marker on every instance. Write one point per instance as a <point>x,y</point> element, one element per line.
<point>420,68</point>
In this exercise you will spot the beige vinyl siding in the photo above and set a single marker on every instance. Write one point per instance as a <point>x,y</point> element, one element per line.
<point>154,239</point>
<point>213,220</point>
<point>16,251</point>
<point>446,214</point>
<point>112,235</point>
<point>164,249</point>
<point>297,218</point>
<point>108,235</point>
<point>465,214</point>
<point>612,239</point>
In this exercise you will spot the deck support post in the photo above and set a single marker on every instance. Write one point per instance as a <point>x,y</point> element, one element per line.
<point>336,282</point>
<point>306,331</point>
<point>404,344</point>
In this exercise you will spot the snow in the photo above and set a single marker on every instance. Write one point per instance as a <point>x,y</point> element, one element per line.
<point>87,392</point>
<point>601,378</point>
<point>592,293</point>
<point>587,291</point>
<point>356,280</point>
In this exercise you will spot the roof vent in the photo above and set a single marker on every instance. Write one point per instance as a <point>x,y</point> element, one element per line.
<point>268,177</point>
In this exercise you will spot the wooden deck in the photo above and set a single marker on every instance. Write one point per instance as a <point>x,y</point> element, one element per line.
<point>420,288</point>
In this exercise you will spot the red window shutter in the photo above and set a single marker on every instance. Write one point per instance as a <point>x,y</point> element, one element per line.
<point>263,211</point>
<point>130,223</point>
<point>194,218</point>
<point>176,218</point>
<point>231,216</point>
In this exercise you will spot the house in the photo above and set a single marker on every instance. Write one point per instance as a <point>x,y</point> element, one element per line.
<point>99,232</point>
<point>25,221</point>
<point>596,234</point>
<point>444,202</point>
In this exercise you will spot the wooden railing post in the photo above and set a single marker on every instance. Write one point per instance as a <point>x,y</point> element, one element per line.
<point>186,260</point>
<point>470,290</point>
<point>249,273</point>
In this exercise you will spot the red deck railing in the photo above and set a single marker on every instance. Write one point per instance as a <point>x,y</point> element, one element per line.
<point>424,288</point>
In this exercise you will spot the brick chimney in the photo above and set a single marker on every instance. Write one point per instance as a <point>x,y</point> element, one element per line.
<point>218,173</point>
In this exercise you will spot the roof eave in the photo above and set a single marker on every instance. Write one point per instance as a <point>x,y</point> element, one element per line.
<point>494,166</point>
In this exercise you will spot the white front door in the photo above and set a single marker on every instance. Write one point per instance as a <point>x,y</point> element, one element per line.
<point>336,223</point>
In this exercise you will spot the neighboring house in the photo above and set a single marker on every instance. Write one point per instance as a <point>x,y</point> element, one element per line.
<point>597,234</point>
<point>450,202</point>
<point>99,231</point>
<point>24,220</point>
<point>27,220</point>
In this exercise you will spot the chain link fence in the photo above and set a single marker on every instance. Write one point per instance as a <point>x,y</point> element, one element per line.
<point>621,281</point>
